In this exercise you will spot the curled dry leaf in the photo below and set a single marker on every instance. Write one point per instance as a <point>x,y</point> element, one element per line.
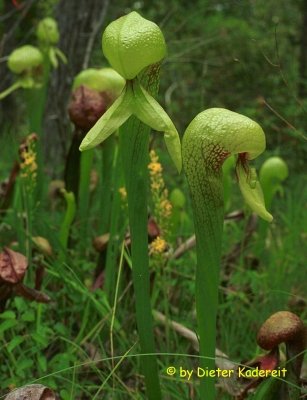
<point>13,266</point>
<point>54,189</point>
<point>153,229</point>
<point>42,245</point>
<point>266,362</point>
<point>32,392</point>
<point>7,188</point>
<point>31,294</point>
<point>5,293</point>
<point>100,242</point>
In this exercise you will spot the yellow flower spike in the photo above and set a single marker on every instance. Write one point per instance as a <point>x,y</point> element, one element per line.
<point>155,168</point>
<point>123,193</point>
<point>158,246</point>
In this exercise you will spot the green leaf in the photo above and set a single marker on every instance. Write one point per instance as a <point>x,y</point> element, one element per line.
<point>111,120</point>
<point>149,111</point>
<point>11,89</point>
<point>61,55</point>
<point>21,304</point>
<point>8,315</point>
<point>61,361</point>
<point>8,324</point>
<point>28,316</point>
<point>42,362</point>
<point>65,395</point>
<point>16,341</point>
<point>136,100</point>
<point>252,192</point>
<point>60,328</point>
<point>269,389</point>
<point>25,363</point>
<point>41,339</point>
<point>53,58</point>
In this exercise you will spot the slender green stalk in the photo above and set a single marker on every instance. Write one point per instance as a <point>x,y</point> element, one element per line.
<point>211,137</point>
<point>28,211</point>
<point>115,303</point>
<point>208,210</point>
<point>84,323</point>
<point>72,165</point>
<point>67,221</point>
<point>134,144</point>
<point>116,231</point>
<point>86,163</point>
<point>133,45</point>
<point>109,158</point>
<point>10,90</point>
<point>36,98</point>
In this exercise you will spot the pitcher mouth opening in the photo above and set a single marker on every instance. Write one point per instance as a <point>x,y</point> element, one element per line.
<point>242,161</point>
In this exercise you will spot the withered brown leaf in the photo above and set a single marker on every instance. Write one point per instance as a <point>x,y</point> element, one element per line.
<point>13,266</point>
<point>31,294</point>
<point>32,392</point>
